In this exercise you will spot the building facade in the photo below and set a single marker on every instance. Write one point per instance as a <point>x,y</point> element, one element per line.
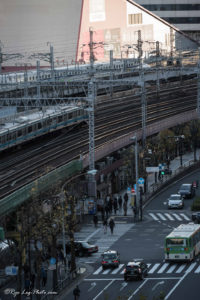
<point>184,14</point>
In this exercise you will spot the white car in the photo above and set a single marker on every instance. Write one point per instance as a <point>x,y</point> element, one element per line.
<point>175,201</point>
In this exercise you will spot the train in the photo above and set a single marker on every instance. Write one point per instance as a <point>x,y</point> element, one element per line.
<point>67,71</point>
<point>31,124</point>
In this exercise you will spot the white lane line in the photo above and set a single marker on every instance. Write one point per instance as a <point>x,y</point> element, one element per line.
<point>154,268</point>
<point>141,285</point>
<point>162,269</point>
<point>180,269</point>
<point>92,234</point>
<point>171,269</point>
<point>191,267</point>
<point>153,216</point>
<point>98,271</point>
<point>106,272</point>
<point>162,217</point>
<point>177,217</point>
<point>103,289</point>
<point>185,217</point>
<point>169,217</point>
<point>148,265</point>
<point>117,269</point>
<point>173,289</point>
<point>197,270</point>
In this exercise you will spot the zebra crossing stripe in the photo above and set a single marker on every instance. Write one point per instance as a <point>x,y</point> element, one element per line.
<point>177,217</point>
<point>197,270</point>
<point>154,268</point>
<point>162,217</point>
<point>106,272</point>
<point>191,267</point>
<point>169,217</point>
<point>185,217</point>
<point>162,269</point>
<point>98,271</point>
<point>180,269</point>
<point>171,269</point>
<point>154,217</point>
<point>117,269</point>
<point>148,265</point>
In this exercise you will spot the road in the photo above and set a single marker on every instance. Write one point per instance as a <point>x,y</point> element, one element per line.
<point>145,240</point>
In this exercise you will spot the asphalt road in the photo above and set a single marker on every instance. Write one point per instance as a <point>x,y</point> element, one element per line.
<point>145,240</point>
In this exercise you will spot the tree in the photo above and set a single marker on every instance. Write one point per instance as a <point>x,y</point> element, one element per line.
<point>192,134</point>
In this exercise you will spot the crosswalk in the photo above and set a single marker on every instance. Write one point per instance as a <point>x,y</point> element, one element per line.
<point>156,268</point>
<point>157,216</point>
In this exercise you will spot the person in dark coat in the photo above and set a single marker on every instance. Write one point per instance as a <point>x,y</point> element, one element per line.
<point>95,220</point>
<point>76,293</point>
<point>105,224</point>
<point>125,208</point>
<point>115,205</point>
<point>120,202</point>
<point>107,210</point>
<point>126,197</point>
<point>110,204</point>
<point>32,281</point>
<point>111,225</point>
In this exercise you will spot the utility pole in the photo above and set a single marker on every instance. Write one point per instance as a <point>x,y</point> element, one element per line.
<point>198,86</point>
<point>144,107</point>
<point>157,68</point>
<point>139,46</point>
<point>111,72</point>
<point>134,138</point>
<point>171,45</point>
<point>38,83</point>
<point>5,56</point>
<point>91,45</point>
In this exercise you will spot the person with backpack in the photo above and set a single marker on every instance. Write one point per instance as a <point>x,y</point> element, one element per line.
<point>111,225</point>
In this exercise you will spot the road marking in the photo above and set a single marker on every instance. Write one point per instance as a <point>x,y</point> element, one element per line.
<point>157,284</point>
<point>93,284</point>
<point>117,269</point>
<point>177,217</point>
<point>92,234</point>
<point>153,216</point>
<point>172,268</point>
<point>162,269</point>
<point>162,217</point>
<point>197,270</point>
<point>120,279</point>
<point>154,268</point>
<point>145,280</point>
<point>185,217</point>
<point>173,289</point>
<point>191,267</point>
<point>103,289</point>
<point>124,284</point>
<point>180,269</point>
<point>106,272</point>
<point>169,216</point>
<point>98,271</point>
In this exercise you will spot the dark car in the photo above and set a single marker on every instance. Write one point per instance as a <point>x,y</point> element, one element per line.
<point>196,217</point>
<point>187,190</point>
<point>135,270</point>
<point>82,248</point>
<point>111,259</point>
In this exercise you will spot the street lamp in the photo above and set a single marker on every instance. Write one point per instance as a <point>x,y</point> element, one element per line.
<point>179,139</point>
<point>92,185</point>
<point>134,138</point>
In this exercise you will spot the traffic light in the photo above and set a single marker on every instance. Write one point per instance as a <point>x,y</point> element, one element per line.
<point>163,172</point>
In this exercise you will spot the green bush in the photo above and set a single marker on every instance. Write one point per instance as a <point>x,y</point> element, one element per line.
<point>196,204</point>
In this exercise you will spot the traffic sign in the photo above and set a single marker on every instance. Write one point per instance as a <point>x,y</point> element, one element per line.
<point>11,270</point>
<point>128,189</point>
<point>141,180</point>
<point>132,190</point>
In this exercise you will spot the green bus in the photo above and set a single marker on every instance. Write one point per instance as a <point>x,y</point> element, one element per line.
<point>183,243</point>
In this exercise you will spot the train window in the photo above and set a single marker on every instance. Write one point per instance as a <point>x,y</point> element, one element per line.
<point>39,125</point>
<point>8,137</point>
<point>70,115</point>
<point>30,129</point>
<point>60,119</point>
<point>19,133</point>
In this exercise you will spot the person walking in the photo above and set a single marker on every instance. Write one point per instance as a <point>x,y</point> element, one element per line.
<point>76,293</point>
<point>32,281</point>
<point>105,224</point>
<point>110,205</point>
<point>107,210</point>
<point>125,208</point>
<point>115,205</point>
<point>126,198</point>
<point>44,277</point>
<point>112,225</point>
<point>95,220</point>
<point>120,202</point>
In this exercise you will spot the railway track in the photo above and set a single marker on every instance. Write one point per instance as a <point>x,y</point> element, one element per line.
<point>111,122</point>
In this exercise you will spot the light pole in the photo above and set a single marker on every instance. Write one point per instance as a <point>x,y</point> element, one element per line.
<point>92,185</point>
<point>134,138</point>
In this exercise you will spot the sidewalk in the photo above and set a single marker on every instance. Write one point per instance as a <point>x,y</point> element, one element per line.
<point>94,235</point>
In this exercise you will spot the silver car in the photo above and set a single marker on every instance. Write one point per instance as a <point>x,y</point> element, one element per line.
<point>175,201</point>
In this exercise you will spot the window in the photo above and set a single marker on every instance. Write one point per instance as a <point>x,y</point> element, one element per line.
<point>29,129</point>
<point>134,19</point>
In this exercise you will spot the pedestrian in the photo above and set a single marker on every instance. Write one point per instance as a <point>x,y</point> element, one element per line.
<point>95,220</point>
<point>125,208</point>
<point>115,205</point>
<point>112,225</point>
<point>126,198</point>
<point>110,205</point>
<point>69,261</point>
<point>27,284</point>
<point>102,213</point>
<point>32,281</point>
<point>76,293</point>
<point>44,277</point>
<point>134,212</point>
<point>120,202</point>
<point>105,224</point>
<point>107,210</point>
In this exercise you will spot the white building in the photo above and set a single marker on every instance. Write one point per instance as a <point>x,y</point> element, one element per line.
<point>184,14</point>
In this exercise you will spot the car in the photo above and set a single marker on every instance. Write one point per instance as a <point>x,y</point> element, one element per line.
<point>81,248</point>
<point>187,190</point>
<point>111,259</point>
<point>196,217</point>
<point>175,201</point>
<point>135,270</point>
